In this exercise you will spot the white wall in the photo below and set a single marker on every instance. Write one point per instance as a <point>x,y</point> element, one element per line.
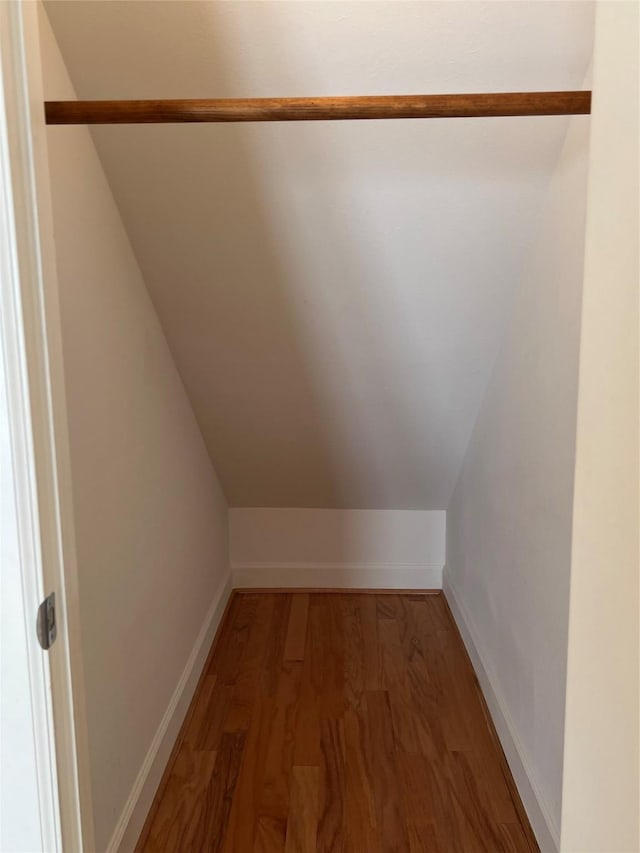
<point>601,796</point>
<point>333,292</point>
<point>337,548</point>
<point>509,521</point>
<point>151,519</point>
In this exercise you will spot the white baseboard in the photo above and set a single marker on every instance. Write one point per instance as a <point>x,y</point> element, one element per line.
<point>129,826</point>
<point>337,575</point>
<point>546,832</point>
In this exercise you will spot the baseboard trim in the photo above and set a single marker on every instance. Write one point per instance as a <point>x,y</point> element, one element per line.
<point>140,799</point>
<point>543,826</point>
<point>337,576</point>
<point>342,590</point>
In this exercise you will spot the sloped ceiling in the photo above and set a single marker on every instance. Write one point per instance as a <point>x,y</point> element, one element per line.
<point>333,293</point>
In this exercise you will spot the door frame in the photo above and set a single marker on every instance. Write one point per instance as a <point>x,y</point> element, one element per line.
<point>30,335</point>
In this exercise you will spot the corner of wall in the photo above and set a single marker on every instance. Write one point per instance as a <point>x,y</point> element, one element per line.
<point>545,830</point>
<point>140,799</point>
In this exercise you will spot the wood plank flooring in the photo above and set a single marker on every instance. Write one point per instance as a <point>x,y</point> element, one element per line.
<point>337,723</point>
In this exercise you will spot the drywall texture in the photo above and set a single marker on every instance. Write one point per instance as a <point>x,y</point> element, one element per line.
<point>337,548</point>
<point>150,517</point>
<point>509,521</point>
<point>601,791</point>
<point>333,293</point>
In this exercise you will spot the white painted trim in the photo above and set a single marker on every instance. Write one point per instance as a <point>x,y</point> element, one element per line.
<point>33,354</point>
<point>20,502</point>
<point>546,832</point>
<point>136,809</point>
<point>337,575</point>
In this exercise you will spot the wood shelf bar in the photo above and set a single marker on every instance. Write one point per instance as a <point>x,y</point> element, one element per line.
<point>319,109</point>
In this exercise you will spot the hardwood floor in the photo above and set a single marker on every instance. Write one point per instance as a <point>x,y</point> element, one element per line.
<point>330,722</point>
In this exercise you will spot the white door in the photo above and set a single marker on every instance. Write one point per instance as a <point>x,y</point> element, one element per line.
<point>29,811</point>
<point>45,799</point>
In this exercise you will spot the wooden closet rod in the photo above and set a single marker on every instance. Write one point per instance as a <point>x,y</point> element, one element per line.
<point>319,109</point>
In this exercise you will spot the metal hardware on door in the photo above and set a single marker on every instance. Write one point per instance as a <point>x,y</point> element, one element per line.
<point>46,622</point>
